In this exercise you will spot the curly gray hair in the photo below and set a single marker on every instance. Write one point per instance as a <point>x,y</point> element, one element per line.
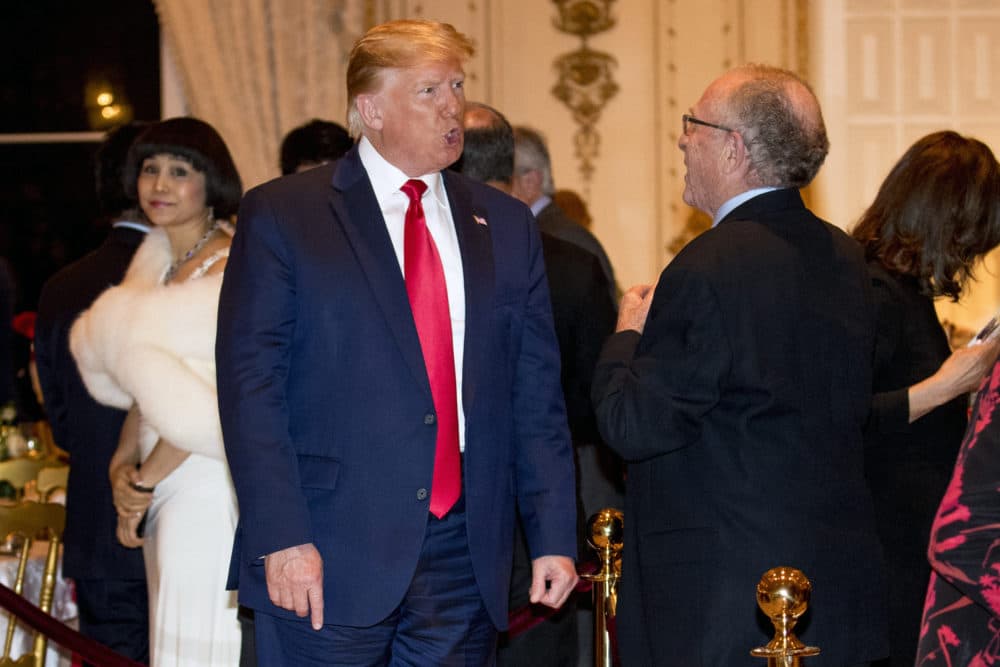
<point>779,118</point>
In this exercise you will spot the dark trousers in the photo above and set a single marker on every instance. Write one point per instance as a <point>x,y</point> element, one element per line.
<point>116,614</point>
<point>441,621</point>
<point>248,648</point>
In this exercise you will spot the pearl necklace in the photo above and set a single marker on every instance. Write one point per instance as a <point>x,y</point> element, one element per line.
<point>172,271</point>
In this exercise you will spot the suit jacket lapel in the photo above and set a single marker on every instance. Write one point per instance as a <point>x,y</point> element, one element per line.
<point>356,208</point>
<point>476,246</point>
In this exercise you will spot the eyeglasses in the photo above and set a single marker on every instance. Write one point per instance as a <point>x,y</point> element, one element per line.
<point>688,120</point>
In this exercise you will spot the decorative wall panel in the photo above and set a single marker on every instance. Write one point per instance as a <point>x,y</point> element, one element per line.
<point>869,144</point>
<point>903,69</point>
<point>926,58</point>
<point>978,66</point>
<point>859,6</point>
<point>871,79</point>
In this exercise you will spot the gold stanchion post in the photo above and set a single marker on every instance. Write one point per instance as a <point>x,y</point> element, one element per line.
<point>783,595</point>
<point>606,529</point>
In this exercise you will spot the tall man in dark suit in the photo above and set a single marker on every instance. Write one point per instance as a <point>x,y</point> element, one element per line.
<point>584,316</point>
<point>378,317</point>
<point>737,391</point>
<point>110,579</point>
<point>532,183</point>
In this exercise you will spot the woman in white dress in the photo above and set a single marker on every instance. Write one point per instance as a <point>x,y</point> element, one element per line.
<point>148,345</point>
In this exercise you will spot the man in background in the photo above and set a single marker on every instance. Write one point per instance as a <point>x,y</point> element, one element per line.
<point>737,392</point>
<point>584,316</point>
<point>313,144</point>
<point>7,299</point>
<point>532,183</point>
<point>110,579</point>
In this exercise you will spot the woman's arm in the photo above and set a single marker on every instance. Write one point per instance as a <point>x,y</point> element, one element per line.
<point>132,484</point>
<point>163,460</point>
<point>128,501</point>
<point>961,373</point>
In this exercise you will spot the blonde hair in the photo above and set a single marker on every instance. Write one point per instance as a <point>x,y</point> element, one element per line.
<point>398,44</point>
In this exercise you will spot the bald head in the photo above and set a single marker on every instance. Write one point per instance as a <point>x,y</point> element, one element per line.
<point>488,154</point>
<point>780,121</point>
<point>479,116</point>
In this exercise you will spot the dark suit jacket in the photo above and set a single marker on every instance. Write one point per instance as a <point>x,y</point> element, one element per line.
<point>584,316</point>
<point>740,412</point>
<point>80,425</point>
<point>553,221</point>
<point>326,409</point>
<point>7,299</point>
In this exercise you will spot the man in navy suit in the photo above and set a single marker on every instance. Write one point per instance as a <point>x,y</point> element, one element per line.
<point>737,391</point>
<point>370,501</point>
<point>110,579</point>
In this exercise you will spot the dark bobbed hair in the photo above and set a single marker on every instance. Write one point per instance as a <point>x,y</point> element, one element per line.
<point>936,214</point>
<point>315,142</point>
<point>109,167</point>
<point>488,152</point>
<point>197,142</point>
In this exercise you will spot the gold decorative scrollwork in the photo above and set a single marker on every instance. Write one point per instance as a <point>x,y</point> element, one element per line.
<point>585,82</point>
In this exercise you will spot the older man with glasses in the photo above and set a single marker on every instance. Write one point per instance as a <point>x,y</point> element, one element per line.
<point>737,390</point>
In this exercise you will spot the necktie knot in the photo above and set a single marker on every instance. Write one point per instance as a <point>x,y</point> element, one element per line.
<point>414,189</point>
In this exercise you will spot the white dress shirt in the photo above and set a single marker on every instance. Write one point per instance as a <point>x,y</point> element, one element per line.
<point>386,180</point>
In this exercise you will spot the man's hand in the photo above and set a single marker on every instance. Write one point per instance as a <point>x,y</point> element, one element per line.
<point>552,580</point>
<point>634,308</point>
<point>295,581</point>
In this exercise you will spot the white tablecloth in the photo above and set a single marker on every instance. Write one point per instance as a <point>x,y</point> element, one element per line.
<point>63,606</point>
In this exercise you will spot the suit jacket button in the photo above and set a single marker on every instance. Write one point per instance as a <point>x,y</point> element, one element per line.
<point>429,418</point>
<point>421,494</point>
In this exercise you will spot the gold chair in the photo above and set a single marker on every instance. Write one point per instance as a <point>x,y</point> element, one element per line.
<point>18,472</point>
<point>51,478</point>
<point>31,521</point>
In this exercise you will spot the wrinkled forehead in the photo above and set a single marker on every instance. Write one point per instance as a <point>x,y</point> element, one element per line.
<point>422,71</point>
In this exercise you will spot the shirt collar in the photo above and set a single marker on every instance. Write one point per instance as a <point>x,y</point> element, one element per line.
<point>741,198</point>
<point>540,204</point>
<point>386,178</point>
<point>137,226</point>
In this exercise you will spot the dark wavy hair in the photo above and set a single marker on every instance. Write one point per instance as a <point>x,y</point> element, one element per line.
<point>315,142</point>
<point>197,142</point>
<point>936,214</point>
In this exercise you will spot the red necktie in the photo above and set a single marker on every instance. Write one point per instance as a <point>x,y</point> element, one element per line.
<point>428,294</point>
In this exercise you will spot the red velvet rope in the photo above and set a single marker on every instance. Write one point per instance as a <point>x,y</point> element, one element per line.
<point>530,615</point>
<point>520,620</point>
<point>60,633</point>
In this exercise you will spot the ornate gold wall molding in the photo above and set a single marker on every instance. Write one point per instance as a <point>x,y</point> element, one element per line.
<point>586,80</point>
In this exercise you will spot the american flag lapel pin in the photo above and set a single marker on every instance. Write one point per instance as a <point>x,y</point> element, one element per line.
<point>480,221</point>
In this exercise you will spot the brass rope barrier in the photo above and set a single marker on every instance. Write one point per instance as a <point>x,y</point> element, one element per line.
<point>62,634</point>
<point>606,530</point>
<point>783,595</point>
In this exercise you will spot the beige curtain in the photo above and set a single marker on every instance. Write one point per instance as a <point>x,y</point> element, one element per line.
<point>255,69</point>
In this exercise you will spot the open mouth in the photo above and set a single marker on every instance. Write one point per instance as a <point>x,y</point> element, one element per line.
<point>453,136</point>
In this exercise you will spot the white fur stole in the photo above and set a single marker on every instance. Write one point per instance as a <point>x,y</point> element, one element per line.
<point>154,345</point>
